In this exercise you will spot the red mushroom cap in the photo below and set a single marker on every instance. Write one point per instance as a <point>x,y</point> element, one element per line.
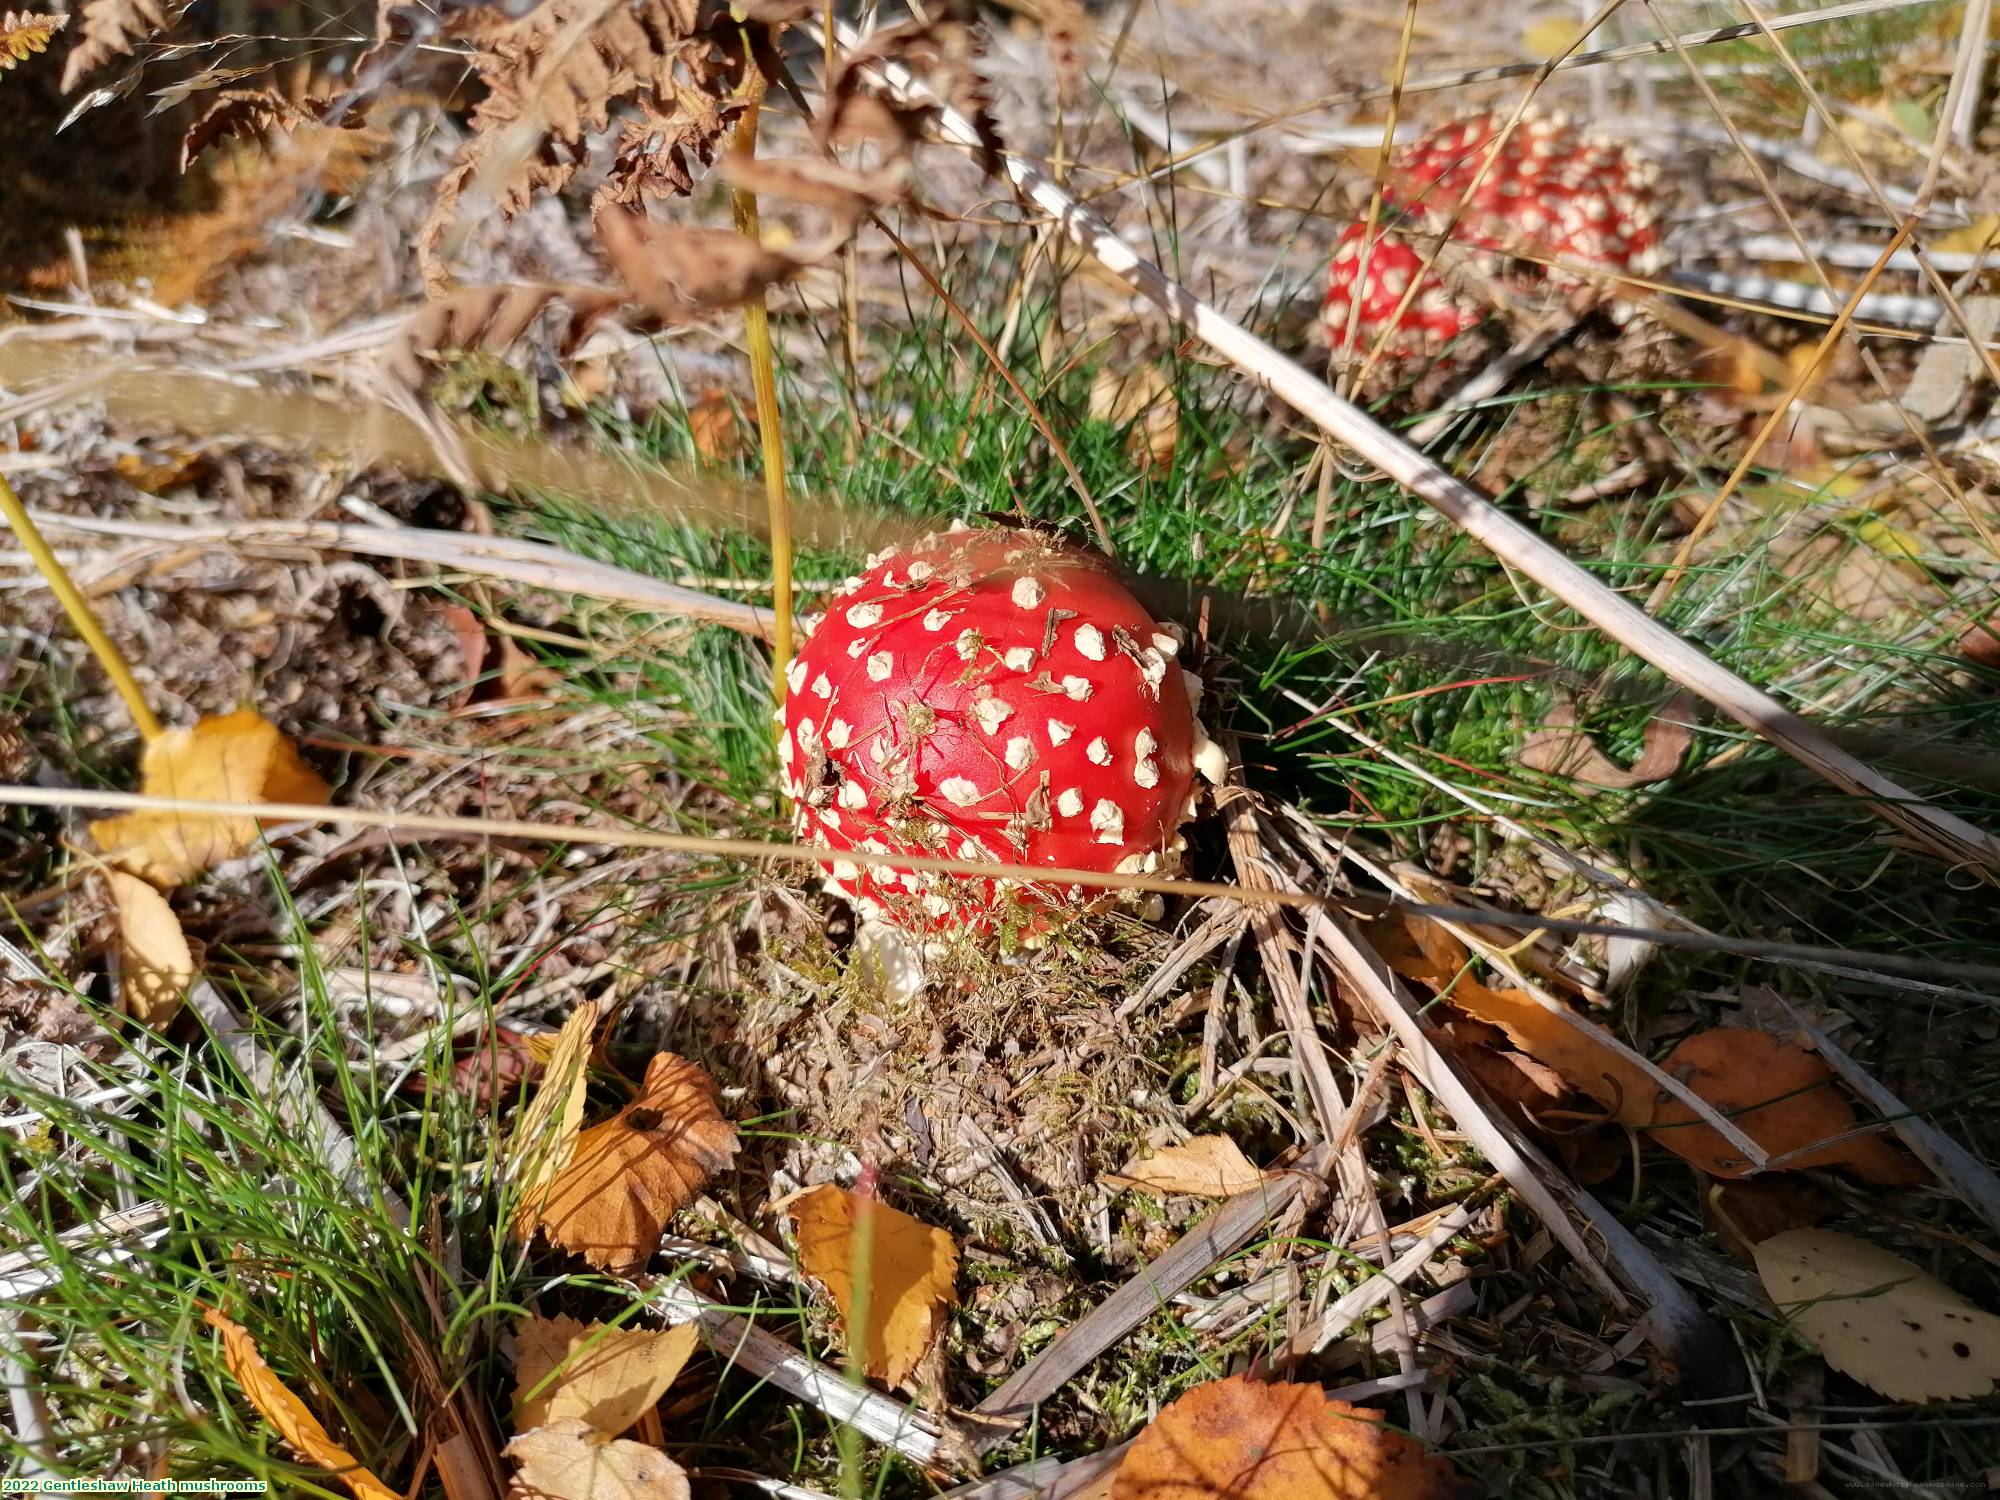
<point>1381,270</point>
<point>1553,191</point>
<point>990,695</point>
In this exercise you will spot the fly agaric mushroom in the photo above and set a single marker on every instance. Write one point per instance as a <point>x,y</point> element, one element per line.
<point>1552,191</point>
<point>1377,272</point>
<point>995,696</point>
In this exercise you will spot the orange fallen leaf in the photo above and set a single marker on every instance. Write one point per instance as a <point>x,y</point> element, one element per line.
<point>285,1412</point>
<point>1236,1439</point>
<point>545,1135</point>
<point>1207,1166</point>
<point>629,1175</point>
<point>911,1272</point>
<point>156,966</point>
<point>1781,1096</point>
<point>712,426</point>
<point>571,1460</point>
<point>1424,951</point>
<point>239,757</point>
<point>608,1377</point>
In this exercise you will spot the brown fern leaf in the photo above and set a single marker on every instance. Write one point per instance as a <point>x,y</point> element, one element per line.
<point>945,53</point>
<point>112,28</point>
<point>553,78</point>
<point>242,113</point>
<point>23,33</point>
<point>489,318</point>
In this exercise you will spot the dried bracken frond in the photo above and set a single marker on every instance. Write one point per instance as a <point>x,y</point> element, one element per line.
<point>24,33</point>
<point>554,77</point>
<point>112,28</point>
<point>242,113</point>
<point>489,318</point>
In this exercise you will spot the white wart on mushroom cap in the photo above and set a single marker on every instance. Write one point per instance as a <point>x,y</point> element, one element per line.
<point>987,695</point>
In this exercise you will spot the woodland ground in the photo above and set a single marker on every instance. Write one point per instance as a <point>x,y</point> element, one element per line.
<point>1378,674</point>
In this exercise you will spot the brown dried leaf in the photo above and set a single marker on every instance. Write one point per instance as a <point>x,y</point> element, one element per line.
<point>1745,1214</point>
<point>112,27</point>
<point>1207,1166</point>
<point>629,1175</point>
<point>912,1270</point>
<point>571,1460</point>
<point>1879,1319</point>
<point>238,757</point>
<point>1560,748</point>
<point>490,319</point>
<point>1781,1096</point>
<point>24,33</point>
<point>242,113</point>
<point>607,1377</point>
<point>300,1429</point>
<point>677,272</point>
<point>156,965</point>
<point>1236,1439</point>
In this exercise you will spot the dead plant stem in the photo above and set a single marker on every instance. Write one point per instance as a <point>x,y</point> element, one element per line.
<point>764,380</point>
<point>78,609</point>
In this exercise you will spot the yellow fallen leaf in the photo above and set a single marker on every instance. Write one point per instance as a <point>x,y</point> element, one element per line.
<point>631,1174</point>
<point>911,1272</point>
<point>237,757</point>
<point>545,1135</point>
<point>1972,238</point>
<point>1208,1166</point>
<point>1878,1318</point>
<point>608,1377</point>
<point>287,1413</point>
<point>155,963</point>
<point>1550,38</point>
<point>571,1460</point>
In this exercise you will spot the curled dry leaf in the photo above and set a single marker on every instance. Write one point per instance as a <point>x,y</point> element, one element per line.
<point>286,1413</point>
<point>1237,1439</point>
<point>571,1460</point>
<point>1880,1319</point>
<point>1781,1096</point>
<point>631,1174</point>
<point>24,33</point>
<point>545,1136</point>
<point>1561,748</point>
<point>237,757</point>
<point>607,1377</point>
<point>1207,1166</point>
<point>911,1273</point>
<point>489,318</point>
<point>156,966</point>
